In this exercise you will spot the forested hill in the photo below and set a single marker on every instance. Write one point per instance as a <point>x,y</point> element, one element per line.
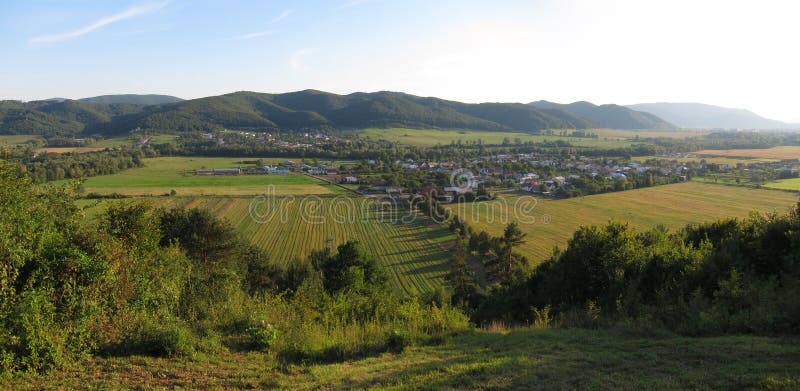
<point>299,110</point>
<point>610,116</point>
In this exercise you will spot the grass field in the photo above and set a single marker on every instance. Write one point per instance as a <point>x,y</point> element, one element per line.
<point>414,254</point>
<point>18,139</point>
<point>630,134</point>
<point>160,175</point>
<point>70,149</point>
<point>522,359</point>
<point>430,137</point>
<point>709,159</point>
<point>784,152</point>
<point>673,206</point>
<point>784,184</point>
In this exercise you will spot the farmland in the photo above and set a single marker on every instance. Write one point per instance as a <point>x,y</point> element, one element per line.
<point>792,184</point>
<point>782,152</point>
<point>160,175</point>
<point>430,137</point>
<point>414,254</point>
<point>672,206</point>
<point>18,139</point>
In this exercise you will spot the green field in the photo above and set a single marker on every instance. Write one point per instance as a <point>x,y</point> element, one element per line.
<point>430,137</point>
<point>517,360</point>
<point>784,184</point>
<point>413,254</point>
<point>708,159</point>
<point>673,206</point>
<point>18,139</point>
<point>160,175</point>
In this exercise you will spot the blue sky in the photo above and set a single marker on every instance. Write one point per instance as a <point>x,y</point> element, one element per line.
<point>730,53</point>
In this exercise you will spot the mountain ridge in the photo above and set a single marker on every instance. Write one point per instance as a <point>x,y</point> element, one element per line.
<point>690,115</point>
<point>307,109</point>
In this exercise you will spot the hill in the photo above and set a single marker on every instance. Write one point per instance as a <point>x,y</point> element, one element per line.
<point>310,108</point>
<point>610,116</point>
<point>296,110</point>
<point>703,116</point>
<point>133,99</point>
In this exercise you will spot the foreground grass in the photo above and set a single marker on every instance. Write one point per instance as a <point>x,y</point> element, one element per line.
<point>521,359</point>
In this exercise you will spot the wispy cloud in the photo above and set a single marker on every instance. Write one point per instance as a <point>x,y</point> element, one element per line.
<point>131,12</point>
<point>255,35</point>
<point>353,3</point>
<point>283,15</point>
<point>297,60</point>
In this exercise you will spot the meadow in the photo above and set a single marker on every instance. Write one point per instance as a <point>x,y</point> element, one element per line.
<point>431,137</point>
<point>18,139</point>
<point>782,152</point>
<point>792,184</point>
<point>551,222</point>
<point>709,159</point>
<point>515,359</point>
<point>163,174</point>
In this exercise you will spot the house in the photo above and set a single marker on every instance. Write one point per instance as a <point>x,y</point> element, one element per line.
<point>350,179</point>
<point>227,171</point>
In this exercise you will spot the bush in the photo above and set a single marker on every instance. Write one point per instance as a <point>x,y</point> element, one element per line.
<point>262,335</point>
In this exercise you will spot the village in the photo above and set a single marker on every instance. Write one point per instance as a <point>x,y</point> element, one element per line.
<point>547,176</point>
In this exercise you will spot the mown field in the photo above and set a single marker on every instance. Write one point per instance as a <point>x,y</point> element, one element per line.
<point>18,139</point>
<point>784,184</point>
<point>430,137</point>
<point>517,360</point>
<point>673,206</point>
<point>163,174</point>
<point>414,254</point>
<point>709,159</point>
<point>783,152</point>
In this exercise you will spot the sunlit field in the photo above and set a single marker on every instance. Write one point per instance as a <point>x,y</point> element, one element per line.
<point>783,152</point>
<point>431,137</point>
<point>550,223</point>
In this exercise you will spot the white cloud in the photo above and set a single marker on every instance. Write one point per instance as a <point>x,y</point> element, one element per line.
<point>283,15</point>
<point>255,35</point>
<point>297,60</point>
<point>102,22</point>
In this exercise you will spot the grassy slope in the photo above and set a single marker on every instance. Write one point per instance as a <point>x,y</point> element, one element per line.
<point>160,175</point>
<point>672,206</point>
<point>522,359</point>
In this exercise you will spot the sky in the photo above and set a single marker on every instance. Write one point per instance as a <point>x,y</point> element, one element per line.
<point>740,54</point>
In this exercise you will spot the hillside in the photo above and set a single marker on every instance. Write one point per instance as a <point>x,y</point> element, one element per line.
<point>133,99</point>
<point>296,110</point>
<point>703,116</point>
<point>610,116</point>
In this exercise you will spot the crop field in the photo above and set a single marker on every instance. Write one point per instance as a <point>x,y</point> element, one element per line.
<point>414,254</point>
<point>632,134</point>
<point>430,137</point>
<point>550,223</point>
<point>716,160</point>
<point>18,139</point>
<point>783,152</point>
<point>160,175</point>
<point>784,184</point>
